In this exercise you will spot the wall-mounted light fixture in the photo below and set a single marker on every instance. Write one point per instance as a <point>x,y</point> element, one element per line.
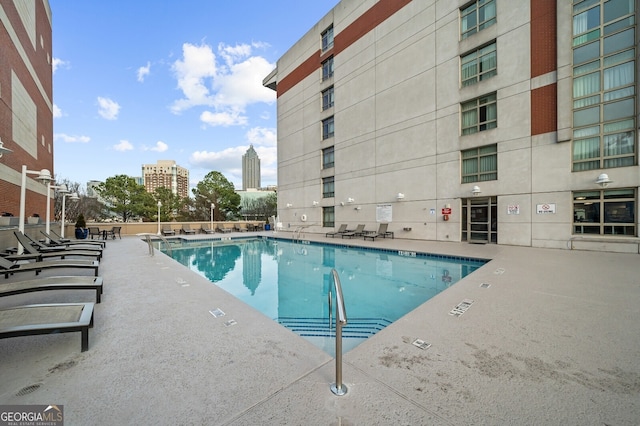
<point>289,205</point>
<point>342,203</point>
<point>350,200</point>
<point>603,180</point>
<point>315,203</point>
<point>475,190</point>
<point>358,208</point>
<point>3,150</point>
<point>400,196</point>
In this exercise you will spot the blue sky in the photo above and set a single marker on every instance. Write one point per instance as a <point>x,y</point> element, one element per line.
<point>145,80</point>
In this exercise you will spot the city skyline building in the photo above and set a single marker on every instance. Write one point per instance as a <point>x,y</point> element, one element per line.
<point>250,169</point>
<point>468,121</point>
<point>166,174</point>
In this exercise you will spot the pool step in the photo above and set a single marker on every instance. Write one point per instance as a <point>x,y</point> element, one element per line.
<point>356,328</point>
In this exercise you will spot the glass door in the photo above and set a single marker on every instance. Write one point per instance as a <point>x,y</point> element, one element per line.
<point>480,220</point>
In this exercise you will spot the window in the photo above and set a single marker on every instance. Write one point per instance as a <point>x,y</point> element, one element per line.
<point>328,217</point>
<point>607,212</point>
<point>327,128</point>
<point>327,38</point>
<point>480,164</point>
<point>327,158</point>
<point>327,68</point>
<point>479,65</point>
<point>327,98</point>
<point>479,114</point>
<point>477,16</point>
<point>328,187</point>
<point>604,84</point>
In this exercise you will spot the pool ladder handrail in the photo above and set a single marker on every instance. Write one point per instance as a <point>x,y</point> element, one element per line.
<point>338,388</point>
<point>150,242</point>
<point>298,231</point>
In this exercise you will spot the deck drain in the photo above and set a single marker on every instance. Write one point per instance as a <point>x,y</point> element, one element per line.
<point>217,312</point>
<point>230,323</point>
<point>461,307</point>
<point>485,285</point>
<point>421,344</point>
<point>28,389</point>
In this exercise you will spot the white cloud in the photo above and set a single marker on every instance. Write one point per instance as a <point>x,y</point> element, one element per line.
<point>57,112</point>
<point>71,138</point>
<point>159,147</point>
<point>262,136</point>
<point>228,87</point>
<point>109,109</point>
<point>143,72</point>
<point>57,63</point>
<point>123,145</point>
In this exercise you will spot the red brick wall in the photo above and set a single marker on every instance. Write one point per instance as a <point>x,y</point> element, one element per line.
<point>544,104</point>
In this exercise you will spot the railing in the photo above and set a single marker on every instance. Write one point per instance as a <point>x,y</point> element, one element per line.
<point>150,242</point>
<point>338,388</point>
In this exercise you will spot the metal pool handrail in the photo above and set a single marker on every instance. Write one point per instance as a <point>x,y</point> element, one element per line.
<point>338,388</point>
<point>150,242</point>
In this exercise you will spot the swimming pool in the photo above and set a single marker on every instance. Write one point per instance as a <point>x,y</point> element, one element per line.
<point>289,282</point>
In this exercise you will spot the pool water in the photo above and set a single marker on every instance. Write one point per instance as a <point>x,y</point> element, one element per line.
<point>289,282</point>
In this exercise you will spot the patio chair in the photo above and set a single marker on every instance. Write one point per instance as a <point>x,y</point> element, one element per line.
<point>113,232</point>
<point>241,227</point>
<point>30,320</point>
<point>225,227</point>
<point>38,251</point>
<point>166,230</point>
<point>53,283</point>
<point>341,230</point>
<point>204,229</point>
<point>186,229</point>
<point>8,267</point>
<point>94,230</point>
<point>382,232</point>
<point>358,232</point>
<point>78,244</point>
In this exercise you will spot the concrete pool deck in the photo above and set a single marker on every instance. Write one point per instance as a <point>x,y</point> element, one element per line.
<point>554,339</point>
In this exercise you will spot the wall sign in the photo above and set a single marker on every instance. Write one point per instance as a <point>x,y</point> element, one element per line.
<point>546,208</point>
<point>513,209</point>
<point>384,213</point>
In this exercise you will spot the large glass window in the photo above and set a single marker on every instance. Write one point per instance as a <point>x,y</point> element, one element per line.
<point>328,217</point>
<point>327,98</point>
<point>327,128</point>
<point>479,114</point>
<point>327,158</point>
<point>327,38</point>
<point>479,65</point>
<point>606,212</point>
<point>604,84</point>
<point>477,16</point>
<point>327,68</point>
<point>480,164</point>
<point>328,187</point>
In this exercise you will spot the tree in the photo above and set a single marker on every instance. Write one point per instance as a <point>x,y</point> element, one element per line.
<point>260,208</point>
<point>216,189</point>
<point>171,203</point>
<point>125,197</point>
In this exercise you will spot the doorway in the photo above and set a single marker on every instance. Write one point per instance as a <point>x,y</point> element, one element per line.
<point>480,220</point>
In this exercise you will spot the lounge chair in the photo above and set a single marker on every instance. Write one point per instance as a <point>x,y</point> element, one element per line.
<point>60,240</point>
<point>53,283</point>
<point>77,244</point>
<point>240,227</point>
<point>225,227</point>
<point>38,251</point>
<point>382,232</point>
<point>166,230</point>
<point>186,229</point>
<point>341,230</point>
<point>8,267</point>
<point>30,320</point>
<point>358,232</point>
<point>206,230</point>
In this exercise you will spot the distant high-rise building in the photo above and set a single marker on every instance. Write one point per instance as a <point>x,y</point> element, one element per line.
<point>166,174</point>
<point>250,169</point>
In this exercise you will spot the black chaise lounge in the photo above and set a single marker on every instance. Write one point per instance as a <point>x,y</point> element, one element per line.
<point>74,244</point>
<point>166,230</point>
<point>8,267</point>
<point>382,232</point>
<point>358,232</point>
<point>71,282</point>
<point>30,320</point>
<point>40,251</point>
<point>341,230</point>
<point>60,240</point>
<point>186,229</point>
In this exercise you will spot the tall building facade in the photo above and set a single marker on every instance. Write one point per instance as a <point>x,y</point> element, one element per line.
<point>26,102</point>
<point>250,169</point>
<point>166,174</point>
<point>490,121</point>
